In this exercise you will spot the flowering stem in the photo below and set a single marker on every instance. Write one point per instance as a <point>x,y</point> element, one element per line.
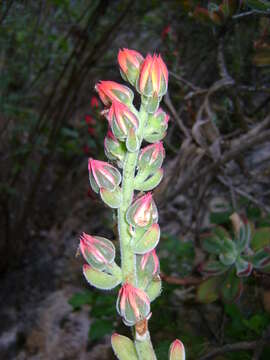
<point>144,347</point>
<point>128,259</point>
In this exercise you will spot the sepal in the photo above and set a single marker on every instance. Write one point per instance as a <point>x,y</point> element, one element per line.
<point>154,288</point>
<point>123,347</point>
<point>114,149</point>
<point>151,104</point>
<point>132,141</point>
<point>112,198</point>
<point>100,279</point>
<point>148,241</point>
<point>148,183</point>
<point>130,62</point>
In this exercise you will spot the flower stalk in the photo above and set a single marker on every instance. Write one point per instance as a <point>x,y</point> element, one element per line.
<point>137,214</point>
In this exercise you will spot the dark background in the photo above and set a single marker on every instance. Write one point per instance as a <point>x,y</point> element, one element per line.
<point>52,52</point>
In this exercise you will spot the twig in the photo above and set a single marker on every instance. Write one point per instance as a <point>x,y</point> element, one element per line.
<point>244,194</point>
<point>190,280</point>
<point>184,81</point>
<point>179,121</point>
<point>240,346</point>
<point>251,13</point>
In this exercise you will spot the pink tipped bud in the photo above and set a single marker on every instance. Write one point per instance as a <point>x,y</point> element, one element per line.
<point>97,251</point>
<point>150,263</point>
<point>133,304</point>
<point>109,91</point>
<point>103,175</point>
<point>129,62</point>
<point>121,119</point>
<point>151,156</point>
<point>143,211</point>
<point>177,351</point>
<point>153,77</point>
<point>114,149</point>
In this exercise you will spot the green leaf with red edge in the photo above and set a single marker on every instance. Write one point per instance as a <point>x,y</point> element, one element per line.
<point>208,291</point>
<point>213,268</point>
<point>261,238</point>
<point>261,259</point>
<point>232,287</point>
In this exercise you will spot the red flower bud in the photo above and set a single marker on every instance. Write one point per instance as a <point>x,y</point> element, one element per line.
<point>94,102</point>
<point>129,62</point>
<point>110,90</point>
<point>177,351</point>
<point>153,79</point>
<point>121,119</point>
<point>143,212</point>
<point>97,251</point>
<point>151,156</point>
<point>103,175</point>
<point>89,120</point>
<point>132,304</point>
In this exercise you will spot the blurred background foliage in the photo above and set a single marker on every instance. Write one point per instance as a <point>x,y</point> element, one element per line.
<point>52,52</point>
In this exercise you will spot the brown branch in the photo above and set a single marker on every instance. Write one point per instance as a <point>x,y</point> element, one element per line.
<point>190,280</point>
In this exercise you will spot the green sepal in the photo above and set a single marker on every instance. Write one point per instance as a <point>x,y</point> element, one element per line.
<point>149,183</point>
<point>154,288</point>
<point>123,347</point>
<point>93,183</point>
<point>100,279</point>
<point>132,141</point>
<point>111,198</point>
<point>151,104</point>
<point>148,241</point>
<point>155,136</point>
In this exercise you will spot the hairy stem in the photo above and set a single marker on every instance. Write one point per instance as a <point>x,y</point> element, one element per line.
<point>128,259</point>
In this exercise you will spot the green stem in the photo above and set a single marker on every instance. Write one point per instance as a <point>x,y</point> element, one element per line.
<point>128,259</point>
<point>144,348</point>
<point>143,345</point>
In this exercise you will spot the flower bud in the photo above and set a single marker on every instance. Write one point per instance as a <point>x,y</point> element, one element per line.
<point>97,251</point>
<point>121,119</point>
<point>114,149</point>
<point>177,351</point>
<point>142,212</point>
<point>157,126</point>
<point>129,62</point>
<point>132,304</point>
<point>123,347</point>
<point>153,79</point>
<point>103,175</point>
<point>150,262</point>
<point>111,90</point>
<point>151,157</point>
<point>100,279</point>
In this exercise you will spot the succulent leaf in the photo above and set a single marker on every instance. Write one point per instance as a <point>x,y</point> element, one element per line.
<point>123,347</point>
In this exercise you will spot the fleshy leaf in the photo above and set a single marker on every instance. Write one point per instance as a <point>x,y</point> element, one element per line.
<point>100,279</point>
<point>261,238</point>
<point>208,290</point>
<point>123,347</point>
<point>232,287</point>
<point>243,267</point>
<point>261,259</point>
<point>111,198</point>
<point>213,267</point>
